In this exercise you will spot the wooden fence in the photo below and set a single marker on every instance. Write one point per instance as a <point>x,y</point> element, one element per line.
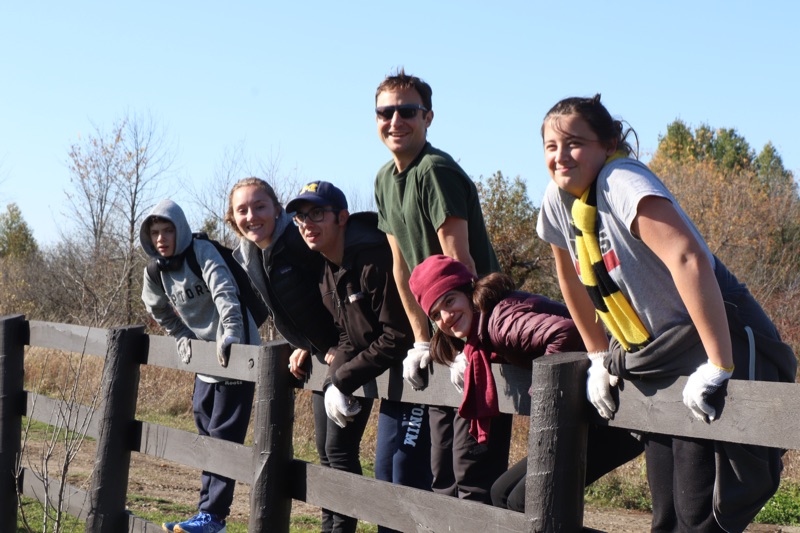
<point>754,413</point>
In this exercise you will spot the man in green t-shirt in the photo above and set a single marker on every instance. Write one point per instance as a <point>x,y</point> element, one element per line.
<point>428,205</point>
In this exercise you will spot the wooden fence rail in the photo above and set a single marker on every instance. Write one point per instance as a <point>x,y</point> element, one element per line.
<point>559,417</point>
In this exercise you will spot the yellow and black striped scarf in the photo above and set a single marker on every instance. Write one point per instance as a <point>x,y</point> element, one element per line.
<point>611,305</point>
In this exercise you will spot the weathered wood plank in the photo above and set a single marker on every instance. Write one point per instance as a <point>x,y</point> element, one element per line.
<point>395,506</point>
<point>140,525</point>
<point>46,410</point>
<point>68,337</point>
<point>513,384</point>
<point>76,501</point>
<point>753,412</point>
<point>243,363</point>
<point>196,451</point>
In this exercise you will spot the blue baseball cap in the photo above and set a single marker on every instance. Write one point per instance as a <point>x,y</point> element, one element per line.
<point>319,193</point>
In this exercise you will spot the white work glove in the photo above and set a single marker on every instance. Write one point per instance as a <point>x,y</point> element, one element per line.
<point>184,349</point>
<point>457,369</point>
<point>598,386</point>
<point>340,408</point>
<point>224,349</point>
<point>701,384</point>
<point>417,360</point>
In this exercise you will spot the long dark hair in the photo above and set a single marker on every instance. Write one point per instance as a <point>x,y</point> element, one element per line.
<point>485,294</point>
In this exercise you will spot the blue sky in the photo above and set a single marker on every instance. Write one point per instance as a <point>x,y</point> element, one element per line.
<point>293,82</point>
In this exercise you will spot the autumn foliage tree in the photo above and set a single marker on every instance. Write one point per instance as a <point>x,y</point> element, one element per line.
<point>510,219</point>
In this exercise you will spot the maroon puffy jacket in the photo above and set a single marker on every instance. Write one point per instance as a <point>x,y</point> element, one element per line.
<point>524,326</point>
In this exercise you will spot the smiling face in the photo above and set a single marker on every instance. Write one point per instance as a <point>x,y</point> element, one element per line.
<point>162,235</point>
<point>404,137</point>
<point>572,152</point>
<point>254,212</point>
<point>452,313</point>
<point>327,235</point>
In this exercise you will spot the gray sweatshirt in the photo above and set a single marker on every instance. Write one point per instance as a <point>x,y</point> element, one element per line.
<point>204,308</point>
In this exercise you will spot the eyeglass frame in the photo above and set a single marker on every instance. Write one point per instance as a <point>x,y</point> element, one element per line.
<point>304,216</point>
<point>382,110</point>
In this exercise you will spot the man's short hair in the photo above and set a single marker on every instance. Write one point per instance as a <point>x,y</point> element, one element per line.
<point>401,81</point>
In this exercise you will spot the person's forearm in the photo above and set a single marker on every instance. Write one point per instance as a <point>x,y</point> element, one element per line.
<point>417,318</point>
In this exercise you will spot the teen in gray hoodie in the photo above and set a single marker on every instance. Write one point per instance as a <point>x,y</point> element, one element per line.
<point>205,308</point>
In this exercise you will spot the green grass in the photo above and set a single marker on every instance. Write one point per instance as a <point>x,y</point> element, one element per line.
<point>783,508</point>
<point>40,431</point>
<point>622,492</point>
<point>186,423</point>
<point>35,514</point>
<point>619,492</point>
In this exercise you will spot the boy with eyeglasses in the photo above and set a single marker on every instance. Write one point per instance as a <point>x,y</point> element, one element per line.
<point>428,205</point>
<point>358,289</point>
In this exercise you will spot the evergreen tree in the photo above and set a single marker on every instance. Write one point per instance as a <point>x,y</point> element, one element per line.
<point>16,238</point>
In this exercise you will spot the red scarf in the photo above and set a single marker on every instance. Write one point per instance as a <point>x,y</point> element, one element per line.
<point>479,405</point>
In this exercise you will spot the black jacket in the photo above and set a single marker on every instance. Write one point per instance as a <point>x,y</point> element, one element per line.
<point>289,285</point>
<point>374,331</point>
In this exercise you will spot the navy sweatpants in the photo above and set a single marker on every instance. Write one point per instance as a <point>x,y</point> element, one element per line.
<point>403,451</point>
<point>221,410</point>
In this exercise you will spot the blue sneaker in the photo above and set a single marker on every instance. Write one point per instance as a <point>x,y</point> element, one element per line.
<point>200,523</point>
<point>169,526</point>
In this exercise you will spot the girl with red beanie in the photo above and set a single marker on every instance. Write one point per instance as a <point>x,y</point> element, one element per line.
<point>484,321</point>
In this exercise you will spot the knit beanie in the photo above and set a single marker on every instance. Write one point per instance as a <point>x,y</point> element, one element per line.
<point>435,277</point>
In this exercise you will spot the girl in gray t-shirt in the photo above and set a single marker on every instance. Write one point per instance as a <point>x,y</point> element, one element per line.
<point>625,251</point>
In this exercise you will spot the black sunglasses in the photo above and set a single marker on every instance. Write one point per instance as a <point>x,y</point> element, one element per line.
<point>406,111</point>
<point>316,214</point>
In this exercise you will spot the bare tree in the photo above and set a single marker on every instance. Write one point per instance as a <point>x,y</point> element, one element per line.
<point>148,158</point>
<point>49,455</point>
<point>95,166</point>
<point>114,177</point>
<point>211,197</point>
<point>360,200</point>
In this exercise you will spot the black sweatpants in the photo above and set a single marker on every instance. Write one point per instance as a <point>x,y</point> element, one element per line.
<point>681,474</point>
<point>606,449</point>
<point>462,467</point>
<point>339,448</point>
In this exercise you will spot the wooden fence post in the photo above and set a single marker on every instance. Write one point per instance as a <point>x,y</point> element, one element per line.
<point>557,444</point>
<point>117,408</point>
<point>271,503</point>
<point>14,336</point>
